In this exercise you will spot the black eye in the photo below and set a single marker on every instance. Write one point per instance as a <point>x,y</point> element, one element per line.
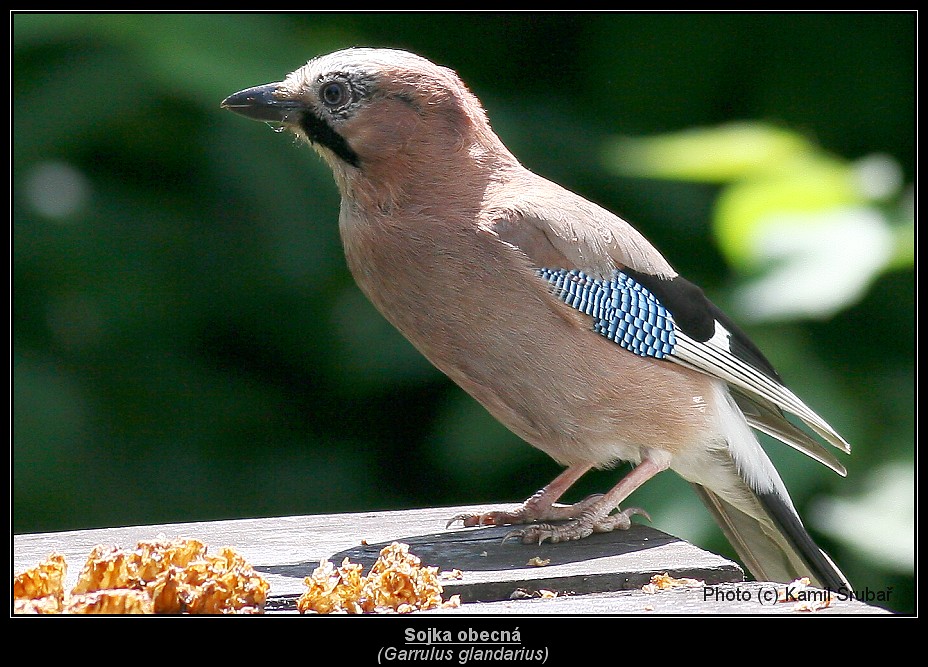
<point>334,94</point>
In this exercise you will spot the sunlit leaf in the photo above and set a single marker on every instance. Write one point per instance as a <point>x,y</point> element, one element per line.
<point>806,221</point>
<point>707,154</point>
<point>803,185</point>
<point>879,520</point>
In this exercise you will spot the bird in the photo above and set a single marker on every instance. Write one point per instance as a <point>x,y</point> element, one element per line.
<point>555,314</point>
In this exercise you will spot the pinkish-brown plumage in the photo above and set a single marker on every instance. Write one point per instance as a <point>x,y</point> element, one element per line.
<point>444,230</point>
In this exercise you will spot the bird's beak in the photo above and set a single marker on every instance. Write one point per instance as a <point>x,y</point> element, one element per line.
<point>264,103</point>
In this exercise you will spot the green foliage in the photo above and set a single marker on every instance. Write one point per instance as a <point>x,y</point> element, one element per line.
<point>819,229</point>
<point>188,344</point>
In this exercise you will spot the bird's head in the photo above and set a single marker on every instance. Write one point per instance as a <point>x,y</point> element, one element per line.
<point>379,115</point>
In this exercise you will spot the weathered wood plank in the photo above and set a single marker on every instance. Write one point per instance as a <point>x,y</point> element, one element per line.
<point>287,549</point>
<point>493,570</point>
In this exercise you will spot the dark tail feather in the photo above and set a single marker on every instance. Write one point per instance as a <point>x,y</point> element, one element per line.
<point>779,549</point>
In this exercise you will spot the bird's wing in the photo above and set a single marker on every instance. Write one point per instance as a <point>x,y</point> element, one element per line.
<point>597,263</point>
<point>556,228</point>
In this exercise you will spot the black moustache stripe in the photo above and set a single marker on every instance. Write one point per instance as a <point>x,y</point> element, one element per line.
<point>320,132</point>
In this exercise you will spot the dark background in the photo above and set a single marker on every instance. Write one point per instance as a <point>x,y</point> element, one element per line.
<point>187,343</point>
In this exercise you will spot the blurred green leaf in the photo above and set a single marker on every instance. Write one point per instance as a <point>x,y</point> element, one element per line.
<point>708,154</point>
<point>879,520</point>
<point>753,207</point>
<point>812,225</point>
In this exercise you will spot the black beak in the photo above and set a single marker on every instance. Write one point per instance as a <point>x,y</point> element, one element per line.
<point>264,103</point>
<point>269,103</point>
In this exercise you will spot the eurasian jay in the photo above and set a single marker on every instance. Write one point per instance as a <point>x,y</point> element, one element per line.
<point>555,314</point>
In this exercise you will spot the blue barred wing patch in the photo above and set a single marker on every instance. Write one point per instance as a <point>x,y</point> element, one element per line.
<point>622,309</point>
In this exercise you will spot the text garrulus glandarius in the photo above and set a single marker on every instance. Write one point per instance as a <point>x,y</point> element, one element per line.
<point>555,314</point>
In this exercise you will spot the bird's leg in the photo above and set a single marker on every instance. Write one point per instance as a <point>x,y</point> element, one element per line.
<point>596,516</point>
<point>540,507</point>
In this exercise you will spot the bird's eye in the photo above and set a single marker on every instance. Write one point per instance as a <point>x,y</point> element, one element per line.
<point>334,94</point>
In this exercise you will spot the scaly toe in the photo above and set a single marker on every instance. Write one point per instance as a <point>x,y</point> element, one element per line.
<point>501,518</point>
<point>545,532</point>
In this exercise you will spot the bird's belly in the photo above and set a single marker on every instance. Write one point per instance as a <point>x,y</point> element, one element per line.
<point>557,384</point>
<point>589,403</point>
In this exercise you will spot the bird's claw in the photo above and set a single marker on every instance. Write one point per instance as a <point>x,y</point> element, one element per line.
<point>629,512</point>
<point>539,533</point>
<point>528,512</point>
<point>576,529</point>
<point>486,519</point>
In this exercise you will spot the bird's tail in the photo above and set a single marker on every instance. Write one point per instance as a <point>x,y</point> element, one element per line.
<point>775,546</point>
<point>745,495</point>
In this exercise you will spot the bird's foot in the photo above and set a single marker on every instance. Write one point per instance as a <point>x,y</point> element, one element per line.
<point>576,529</point>
<point>527,512</point>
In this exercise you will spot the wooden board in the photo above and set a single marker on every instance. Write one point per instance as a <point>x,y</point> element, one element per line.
<point>586,575</point>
